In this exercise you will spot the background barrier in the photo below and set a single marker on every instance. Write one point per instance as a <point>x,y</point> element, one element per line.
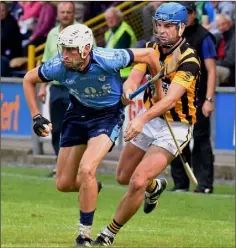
<point>15,115</point>
<point>225,119</point>
<point>16,121</point>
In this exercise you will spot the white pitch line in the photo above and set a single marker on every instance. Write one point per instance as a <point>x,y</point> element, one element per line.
<point>112,186</point>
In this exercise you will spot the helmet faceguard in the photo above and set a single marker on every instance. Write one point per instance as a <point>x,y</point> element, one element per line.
<point>76,36</point>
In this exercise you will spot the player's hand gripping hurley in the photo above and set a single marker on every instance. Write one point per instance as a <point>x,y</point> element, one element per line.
<point>169,68</point>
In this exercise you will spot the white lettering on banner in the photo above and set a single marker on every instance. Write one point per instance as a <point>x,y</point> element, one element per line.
<point>133,109</point>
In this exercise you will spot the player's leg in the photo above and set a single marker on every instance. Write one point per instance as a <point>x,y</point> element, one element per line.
<point>67,168</point>
<point>132,154</point>
<point>96,150</point>
<point>158,156</point>
<point>164,139</point>
<point>153,163</point>
<point>73,143</point>
<point>103,130</point>
<point>129,159</point>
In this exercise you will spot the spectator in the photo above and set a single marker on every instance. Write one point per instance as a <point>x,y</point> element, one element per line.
<point>28,20</point>
<point>208,10</point>
<point>16,10</point>
<point>10,39</point>
<point>226,51</point>
<point>95,8</point>
<point>226,8</point>
<point>202,157</point>
<point>46,22</point>
<point>59,95</point>
<point>147,14</point>
<point>120,34</point>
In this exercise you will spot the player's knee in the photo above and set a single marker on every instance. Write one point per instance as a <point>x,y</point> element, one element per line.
<point>86,173</point>
<point>64,185</point>
<point>137,183</point>
<point>122,179</point>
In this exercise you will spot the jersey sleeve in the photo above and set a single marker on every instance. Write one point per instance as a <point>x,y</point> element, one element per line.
<point>142,66</point>
<point>113,60</point>
<point>123,58</point>
<point>51,70</point>
<point>208,48</point>
<point>187,72</point>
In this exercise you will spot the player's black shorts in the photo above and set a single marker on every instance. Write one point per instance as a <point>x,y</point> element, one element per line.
<point>82,123</point>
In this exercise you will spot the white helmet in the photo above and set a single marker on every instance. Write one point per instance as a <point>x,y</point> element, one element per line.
<point>76,36</point>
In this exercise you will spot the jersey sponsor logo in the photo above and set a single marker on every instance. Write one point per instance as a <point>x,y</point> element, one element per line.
<point>69,81</point>
<point>102,78</point>
<point>84,78</point>
<point>90,92</point>
<point>186,76</point>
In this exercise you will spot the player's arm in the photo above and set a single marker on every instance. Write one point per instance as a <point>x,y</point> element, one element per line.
<point>134,80</point>
<point>135,126</point>
<point>159,94</point>
<point>147,56</point>
<point>184,78</point>
<point>29,85</point>
<point>41,125</point>
<point>131,84</point>
<point>175,92</point>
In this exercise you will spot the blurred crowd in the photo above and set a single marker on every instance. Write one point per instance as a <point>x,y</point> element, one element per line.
<point>25,23</point>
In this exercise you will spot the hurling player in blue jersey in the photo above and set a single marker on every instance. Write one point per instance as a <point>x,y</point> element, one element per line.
<point>95,115</point>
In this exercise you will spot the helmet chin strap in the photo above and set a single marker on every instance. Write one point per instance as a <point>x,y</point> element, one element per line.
<point>181,28</point>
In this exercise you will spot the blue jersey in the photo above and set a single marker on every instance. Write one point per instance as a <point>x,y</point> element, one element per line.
<point>100,84</point>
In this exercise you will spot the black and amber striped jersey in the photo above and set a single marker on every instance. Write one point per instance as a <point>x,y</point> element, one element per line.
<point>187,74</point>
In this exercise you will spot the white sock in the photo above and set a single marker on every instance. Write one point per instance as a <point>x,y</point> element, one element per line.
<point>109,233</point>
<point>85,230</point>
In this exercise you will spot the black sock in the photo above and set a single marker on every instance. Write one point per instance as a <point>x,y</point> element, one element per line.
<point>86,219</point>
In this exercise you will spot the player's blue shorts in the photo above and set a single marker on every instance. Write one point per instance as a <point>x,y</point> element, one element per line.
<point>82,123</point>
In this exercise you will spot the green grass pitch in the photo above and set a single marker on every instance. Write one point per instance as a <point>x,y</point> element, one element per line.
<point>35,214</point>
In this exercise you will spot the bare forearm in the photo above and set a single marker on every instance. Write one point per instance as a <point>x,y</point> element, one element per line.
<point>148,56</point>
<point>210,65</point>
<point>29,85</point>
<point>211,83</point>
<point>30,95</point>
<point>130,84</point>
<point>159,94</point>
<point>158,109</point>
<point>134,80</point>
